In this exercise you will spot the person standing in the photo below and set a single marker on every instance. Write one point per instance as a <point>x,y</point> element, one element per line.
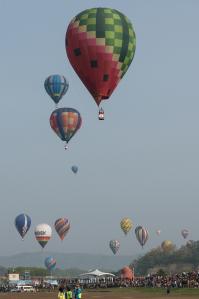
<point>77,292</point>
<point>68,294</point>
<point>61,294</point>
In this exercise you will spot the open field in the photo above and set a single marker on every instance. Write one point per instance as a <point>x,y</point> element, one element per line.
<point>114,294</point>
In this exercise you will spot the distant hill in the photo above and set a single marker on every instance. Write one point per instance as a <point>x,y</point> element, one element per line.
<point>68,260</point>
<point>183,259</point>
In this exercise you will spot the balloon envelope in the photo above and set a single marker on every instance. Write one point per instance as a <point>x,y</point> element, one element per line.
<point>62,226</point>
<point>50,263</point>
<point>65,122</point>
<point>167,245</point>
<point>114,246</point>
<point>158,232</point>
<point>100,45</point>
<point>22,224</point>
<point>56,87</point>
<point>142,235</point>
<point>43,233</point>
<point>74,169</point>
<point>185,233</point>
<point>126,225</point>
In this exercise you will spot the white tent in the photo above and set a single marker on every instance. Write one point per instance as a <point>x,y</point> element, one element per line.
<point>97,273</point>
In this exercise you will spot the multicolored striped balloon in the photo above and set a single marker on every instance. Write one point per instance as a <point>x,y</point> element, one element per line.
<point>142,235</point>
<point>62,226</point>
<point>100,45</point>
<point>22,224</point>
<point>126,225</point>
<point>114,246</point>
<point>43,233</point>
<point>65,122</point>
<point>50,263</point>
<point>56,87</point>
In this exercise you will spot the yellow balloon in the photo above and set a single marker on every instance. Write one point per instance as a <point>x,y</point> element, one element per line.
<point>126,225</point>
<point>167,245</point>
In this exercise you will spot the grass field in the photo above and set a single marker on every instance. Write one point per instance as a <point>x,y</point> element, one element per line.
<point>123,293</point>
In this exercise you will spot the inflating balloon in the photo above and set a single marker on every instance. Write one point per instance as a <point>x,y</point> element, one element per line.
<point>22,224</point>
<point>65,122</point>
<point>50,263</point>
<point>142,235</point>
<point>114,246</point>
<point>56,87</point>
<point>100,45</point>
<point>126,225</point>
<point>74,169</point>
<point>62,226</point>
<point>43,233</point>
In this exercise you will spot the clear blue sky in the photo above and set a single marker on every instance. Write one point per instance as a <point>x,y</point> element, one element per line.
<point>141,162</point>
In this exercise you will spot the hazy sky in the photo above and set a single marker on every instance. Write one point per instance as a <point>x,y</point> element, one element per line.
<point>141,162</point>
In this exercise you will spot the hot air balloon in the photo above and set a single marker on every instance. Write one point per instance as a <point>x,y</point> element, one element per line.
<point>114,245</point>
<point>22,224</point>
<point>65,122</point>
<point>100,45</point>
<point>62,226</point>
<point>74,169</point>
<point>50,263</point>
<point>126,225</point>
<point>167,246</point>
<point>56,87</point>
<point>43,233</point>
<point>142,235</point>
<point>158,232</point>
<point>185,233</point>
<point>127,273</point>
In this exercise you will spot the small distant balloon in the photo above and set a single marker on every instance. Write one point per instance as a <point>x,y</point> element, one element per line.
<point>43,233</point>
<point>22,224</point>
<point>62,226</point>
<point>158,232</point>
<point>126,225</point>
<point>114,246</point>
<point>185,233</point>
<point>142,235</point>
<point>50,263</point>
<point>56,87</point>
<point>74,169</point>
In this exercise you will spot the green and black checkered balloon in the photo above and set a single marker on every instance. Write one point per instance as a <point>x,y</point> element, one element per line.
<point>100,44</point>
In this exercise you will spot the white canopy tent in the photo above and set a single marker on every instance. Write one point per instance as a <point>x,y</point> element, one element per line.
<point>97,273</point>
<point>95,276</point>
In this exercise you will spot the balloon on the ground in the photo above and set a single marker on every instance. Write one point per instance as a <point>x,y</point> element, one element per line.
<point>185,233</point>
<point>142,235</point>
<point>127,273</point>
<point>62,226</point>
<point>126,225</point>
<point>65,122</point>
<point>74,169</point>
<point>43,233</point>
<point>50,263</point>
<point>100,45</point>
<point>22,224</point>
<point>114,246</point>
<point>56,87</point>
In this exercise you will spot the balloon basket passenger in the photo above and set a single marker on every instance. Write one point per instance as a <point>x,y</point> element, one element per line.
<point>101,114</point>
